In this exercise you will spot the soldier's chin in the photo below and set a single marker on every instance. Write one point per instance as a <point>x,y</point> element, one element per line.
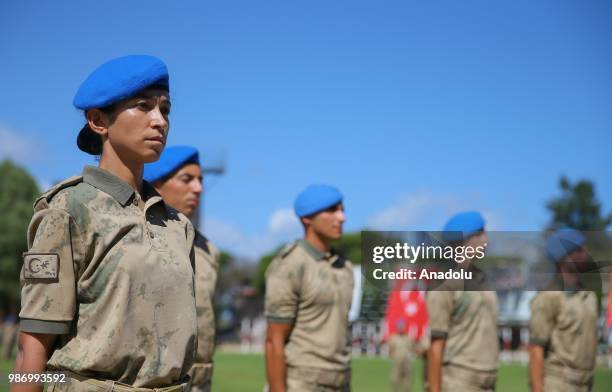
<point>151,155</point>
<point>187,211</point>
<point>335,236</point>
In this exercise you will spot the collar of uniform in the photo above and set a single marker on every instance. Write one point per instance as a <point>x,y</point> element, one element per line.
<point>149,194</point>
<point>108,183</point>
<point>314,252</point>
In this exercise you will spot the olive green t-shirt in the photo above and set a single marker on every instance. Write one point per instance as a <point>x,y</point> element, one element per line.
<point>111,271</point>
<point>313,291</point>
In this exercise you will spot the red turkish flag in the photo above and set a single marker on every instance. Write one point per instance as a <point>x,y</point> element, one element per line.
<point>408,304</point>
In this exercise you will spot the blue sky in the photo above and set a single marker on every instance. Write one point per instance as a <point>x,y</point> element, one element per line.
<point>415,111</point>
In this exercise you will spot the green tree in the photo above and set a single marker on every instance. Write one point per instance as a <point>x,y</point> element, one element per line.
<point>577,207</point>
<point>17,193</point>
<point>260,274</point>
<point>349,246</point>
<point>225,258</point>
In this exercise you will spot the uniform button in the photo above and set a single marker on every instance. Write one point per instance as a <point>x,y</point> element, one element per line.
<point>151,234</point>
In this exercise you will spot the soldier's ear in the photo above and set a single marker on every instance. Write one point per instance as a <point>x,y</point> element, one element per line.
<point>306,221</point>
<point>98,121</point>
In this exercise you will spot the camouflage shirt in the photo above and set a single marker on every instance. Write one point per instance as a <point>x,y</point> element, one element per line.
<point>313,290</point>
<point>468,322</point>
<point>207,265</point>
<point>565,323</point>
<point>111,271</point>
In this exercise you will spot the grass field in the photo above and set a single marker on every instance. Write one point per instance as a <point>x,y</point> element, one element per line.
<point>245,372</point>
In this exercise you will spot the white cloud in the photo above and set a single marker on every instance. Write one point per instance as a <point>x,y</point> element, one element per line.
<point>15,146</point>
<point>423,210</point>
<point>21,149</point>
<point>284,220</point>
<point>282,227</point>
<point>493,219</point>
<point>223,231</point>
<point>408,211</point>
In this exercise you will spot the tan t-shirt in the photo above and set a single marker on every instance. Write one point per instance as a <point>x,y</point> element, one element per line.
<point>313,290</point>
<point>468,322</point>
<point>566,324</point>
<point>112,272</point>
<point>207,266</point>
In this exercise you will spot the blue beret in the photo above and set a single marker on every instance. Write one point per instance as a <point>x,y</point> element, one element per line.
<point>316,198</point>
<point>462,225</point>
<point>563,242</point>
<point>118,79</point>
<point>171,159</point>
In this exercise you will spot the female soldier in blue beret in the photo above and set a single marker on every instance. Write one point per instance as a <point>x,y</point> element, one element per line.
<point>107,284</point>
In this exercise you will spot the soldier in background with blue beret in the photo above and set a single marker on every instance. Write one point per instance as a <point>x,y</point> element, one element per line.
<point>464,350</point>
<point>563,325</point>
<point>308,296</point>
<point>177,176</point>
<point>107,282</point>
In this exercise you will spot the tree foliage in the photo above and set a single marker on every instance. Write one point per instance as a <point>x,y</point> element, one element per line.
<point>260,274</point>
<point>17,193</point>
<point>577,207</point>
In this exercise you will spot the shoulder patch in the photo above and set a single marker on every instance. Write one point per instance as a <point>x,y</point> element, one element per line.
<point>43,266</point>
<point>43,200</point>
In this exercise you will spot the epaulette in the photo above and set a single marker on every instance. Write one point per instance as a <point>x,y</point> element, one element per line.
<point>287,250</point>
<point>43,200</point>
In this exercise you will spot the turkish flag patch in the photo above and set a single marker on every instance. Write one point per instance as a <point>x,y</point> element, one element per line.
<point>41,266</point>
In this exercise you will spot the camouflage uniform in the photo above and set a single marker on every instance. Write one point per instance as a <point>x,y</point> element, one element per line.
<point>111,271</point>
<point>565,324</point>
<point>313,290</point>
<point>402,350</point>
<point>467,320</point>
<point>207,265</point>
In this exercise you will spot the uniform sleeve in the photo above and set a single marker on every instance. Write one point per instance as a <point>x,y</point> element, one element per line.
<point>48,284</point>
<point>544,308</point>
<point>282,291</point>
<point>439,307</point>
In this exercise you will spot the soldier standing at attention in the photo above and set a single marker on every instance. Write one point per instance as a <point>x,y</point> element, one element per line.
<point>107,284</point>
<point>563,325</point>
<point>177,176</point>
<point>463,354</point>
<point>308,295</point>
